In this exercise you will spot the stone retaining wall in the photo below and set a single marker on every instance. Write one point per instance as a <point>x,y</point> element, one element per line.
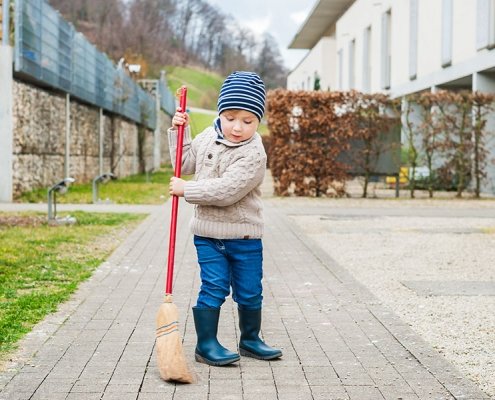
<point>39,119</point>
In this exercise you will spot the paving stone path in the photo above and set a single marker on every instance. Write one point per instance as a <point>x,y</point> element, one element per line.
<point>339,341</point>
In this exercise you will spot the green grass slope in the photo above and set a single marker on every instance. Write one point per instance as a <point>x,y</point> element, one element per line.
<point>202,86</point>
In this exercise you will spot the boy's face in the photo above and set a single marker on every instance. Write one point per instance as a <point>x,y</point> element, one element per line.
<point>238,125</point>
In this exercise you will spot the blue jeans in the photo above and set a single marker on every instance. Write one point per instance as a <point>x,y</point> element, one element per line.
<point>236,263</point>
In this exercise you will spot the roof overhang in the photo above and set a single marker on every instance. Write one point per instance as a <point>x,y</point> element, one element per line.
<point>324,14</point>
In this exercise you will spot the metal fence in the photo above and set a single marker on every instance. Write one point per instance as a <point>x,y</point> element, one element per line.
<point>167,99</point>
<point>49,50</point>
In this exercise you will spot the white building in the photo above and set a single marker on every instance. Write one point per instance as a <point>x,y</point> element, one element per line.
<point>399,47</point>
<point>318,34</point>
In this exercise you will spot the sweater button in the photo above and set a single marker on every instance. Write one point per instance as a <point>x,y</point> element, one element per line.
<point>210,156</point>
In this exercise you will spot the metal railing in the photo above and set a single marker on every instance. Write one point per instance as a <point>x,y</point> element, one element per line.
<point>49,50</point>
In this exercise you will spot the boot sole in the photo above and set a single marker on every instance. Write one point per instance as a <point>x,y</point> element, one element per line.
<point>203,360</point>
<point>246,353</point>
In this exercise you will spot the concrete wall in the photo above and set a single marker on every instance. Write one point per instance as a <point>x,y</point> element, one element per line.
<point>318,61</point>
<point>39,141</point>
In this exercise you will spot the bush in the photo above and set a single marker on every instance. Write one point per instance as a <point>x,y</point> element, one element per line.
<point>319,138</point>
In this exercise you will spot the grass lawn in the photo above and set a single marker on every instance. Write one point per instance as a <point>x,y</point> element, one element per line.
<point>136,189</point>
<point>40,265</point>
<point>202,86</point>
<point>200,122</point>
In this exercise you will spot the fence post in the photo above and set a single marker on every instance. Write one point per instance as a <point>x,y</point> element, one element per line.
<point>101,138</point>
<point>67,136</point>
<point>156,144</point>
<point>6,124</point>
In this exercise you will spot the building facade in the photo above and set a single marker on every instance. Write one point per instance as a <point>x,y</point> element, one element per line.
<point>318,35</point>
<point>401,47</point>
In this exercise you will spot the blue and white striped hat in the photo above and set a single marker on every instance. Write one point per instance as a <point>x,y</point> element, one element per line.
<point>243,91</point>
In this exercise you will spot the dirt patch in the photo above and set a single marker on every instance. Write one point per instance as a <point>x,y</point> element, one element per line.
<point>21,220</point>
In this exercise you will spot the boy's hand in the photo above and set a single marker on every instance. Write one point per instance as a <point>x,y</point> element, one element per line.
<point>176,186</point>
<point>180,118</point>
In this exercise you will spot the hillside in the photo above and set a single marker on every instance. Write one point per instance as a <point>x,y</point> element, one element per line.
<point>202,86</point>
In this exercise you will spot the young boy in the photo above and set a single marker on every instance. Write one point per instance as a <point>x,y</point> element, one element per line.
<point>229,162</point>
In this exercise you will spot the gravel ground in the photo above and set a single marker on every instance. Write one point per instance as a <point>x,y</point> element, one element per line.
<point>384,252</point>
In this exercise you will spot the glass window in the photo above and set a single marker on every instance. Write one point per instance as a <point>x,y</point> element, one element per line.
<point>485,24</point>
<point>447,8</point>
<point>367,59</point>
<point>352,47</point>
<point>413,38</point>
<point>386,48</point>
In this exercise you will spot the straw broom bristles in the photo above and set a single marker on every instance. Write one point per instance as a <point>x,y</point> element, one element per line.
<point>171,360</point>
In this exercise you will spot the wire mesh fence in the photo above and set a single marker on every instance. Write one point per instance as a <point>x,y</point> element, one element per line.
<point>50,51</point>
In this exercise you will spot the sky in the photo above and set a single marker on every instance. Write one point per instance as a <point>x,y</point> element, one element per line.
<point>281,18</point>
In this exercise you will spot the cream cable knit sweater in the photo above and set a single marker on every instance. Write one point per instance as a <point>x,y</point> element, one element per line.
<point>226,189</point>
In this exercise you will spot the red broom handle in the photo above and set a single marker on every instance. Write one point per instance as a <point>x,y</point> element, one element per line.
<point>175,199</point>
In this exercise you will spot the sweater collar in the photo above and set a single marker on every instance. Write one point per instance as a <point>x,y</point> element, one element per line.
<point>218,128</point>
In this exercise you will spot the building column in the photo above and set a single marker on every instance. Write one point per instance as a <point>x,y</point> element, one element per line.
<point>485,83</point>
<point>6,124</point>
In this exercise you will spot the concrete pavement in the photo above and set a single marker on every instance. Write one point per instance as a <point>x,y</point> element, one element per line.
<point>339,341</point>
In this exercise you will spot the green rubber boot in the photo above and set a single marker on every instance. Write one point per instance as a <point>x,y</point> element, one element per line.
<point>250,344</point>
<point>209,350</point>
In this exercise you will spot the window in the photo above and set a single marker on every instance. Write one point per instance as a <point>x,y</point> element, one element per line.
<point>352,49</point>
<point>367,59</point>
<point>447,8</point>
<point>413,38</point>
<point>485,24</point>
<point>386,48</point>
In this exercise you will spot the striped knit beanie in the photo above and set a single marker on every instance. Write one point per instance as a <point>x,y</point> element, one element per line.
<point>243,91</point>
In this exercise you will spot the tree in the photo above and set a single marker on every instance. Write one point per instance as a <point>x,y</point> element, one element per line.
<point>430,131</point>
<point>174,32</point>
<point>268,63</point>
<point>455,109</point>
<point>103,23</point>
<point>149,29</point>
<point>317,85</point>
<point>374,116</point>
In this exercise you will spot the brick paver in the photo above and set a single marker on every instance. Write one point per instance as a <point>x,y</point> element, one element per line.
<point>339,341</point>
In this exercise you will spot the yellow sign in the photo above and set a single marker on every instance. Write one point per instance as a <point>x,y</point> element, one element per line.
<point>403,176</point>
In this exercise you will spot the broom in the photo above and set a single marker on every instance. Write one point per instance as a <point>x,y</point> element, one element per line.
<point>171,360</point>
